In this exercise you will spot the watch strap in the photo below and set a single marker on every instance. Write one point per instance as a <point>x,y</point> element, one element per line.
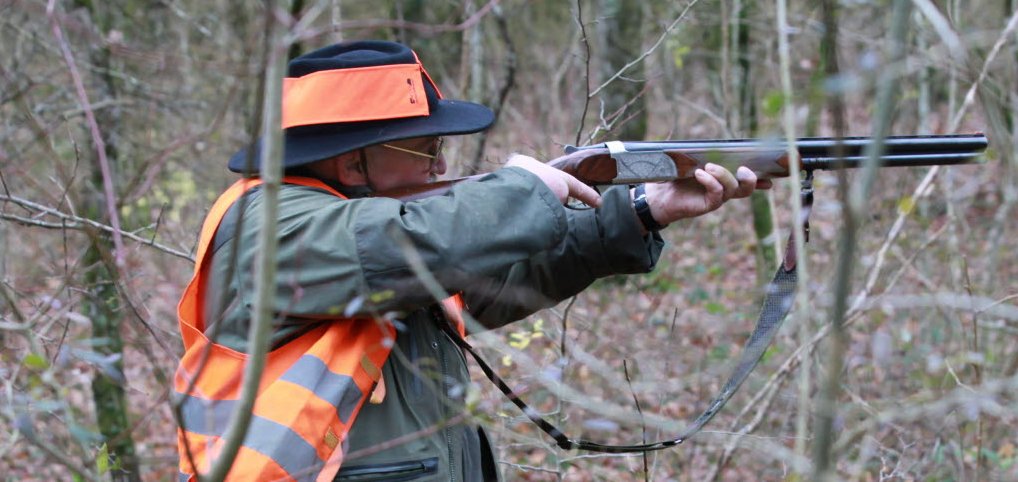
<point>643,209</point>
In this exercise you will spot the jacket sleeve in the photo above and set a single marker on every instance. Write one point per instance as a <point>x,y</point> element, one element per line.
<point>600,242</point>
<point>350,256</point>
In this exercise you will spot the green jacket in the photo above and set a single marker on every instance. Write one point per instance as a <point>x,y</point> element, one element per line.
<point>504,242</point>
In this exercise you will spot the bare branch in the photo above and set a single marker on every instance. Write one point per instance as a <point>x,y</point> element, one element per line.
<point>265,262</point>
<point>78,223</point>
<point>943,28</point>
<point>422,28</point>
<point>100,145</point>
<point>55,455</point>
<point>970,97</point>
<point>649,51</point>
<point>586,72</point>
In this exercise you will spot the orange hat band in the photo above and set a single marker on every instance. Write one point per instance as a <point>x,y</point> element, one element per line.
<point>355,95</point>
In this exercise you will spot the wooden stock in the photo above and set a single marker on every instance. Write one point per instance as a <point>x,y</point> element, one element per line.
<point>590,166</point>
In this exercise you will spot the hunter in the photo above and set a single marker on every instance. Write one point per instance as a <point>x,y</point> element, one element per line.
<point>364,380</point>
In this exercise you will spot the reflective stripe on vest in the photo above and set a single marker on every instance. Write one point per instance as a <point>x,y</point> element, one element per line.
<point>310,393</point>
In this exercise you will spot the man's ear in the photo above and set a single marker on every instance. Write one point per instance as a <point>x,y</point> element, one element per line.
<point>350,169</point>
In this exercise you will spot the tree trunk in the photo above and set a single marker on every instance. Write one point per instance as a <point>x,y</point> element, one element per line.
<point>296,49</point>
<point>104,309</point>
<point>507,82</point>
<point>761,202</point>
<point>621,34</point>
<point>103,303</point>
<point>337,18</point>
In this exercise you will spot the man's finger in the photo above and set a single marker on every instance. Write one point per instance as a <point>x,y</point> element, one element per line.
<point>725,177</point>
<point>583,192</point>
<point>715,192</point>
<point>747,181</point>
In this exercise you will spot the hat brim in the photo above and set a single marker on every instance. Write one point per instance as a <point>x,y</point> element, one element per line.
<point>304,145</point>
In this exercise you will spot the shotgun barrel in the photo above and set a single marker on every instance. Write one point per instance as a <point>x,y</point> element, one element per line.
<point>823,146</point>
<point>641,161</point>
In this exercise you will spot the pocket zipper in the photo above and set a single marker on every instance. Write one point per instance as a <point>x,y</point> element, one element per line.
<point>398,470</point>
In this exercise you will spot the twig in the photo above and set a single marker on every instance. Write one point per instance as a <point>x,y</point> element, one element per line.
<point>265,263</point>
<point>949,300</point>
<point>606,409</point>
<point>854,206</point>
<point>586,74</point>
<point>943,27</point>
<point>56,456</point>
<point>78,223</point>
<point>565,328</point>
<point>798,236</point>
<point>998,302</point>
<point>978,373</point>
<point>612,120</point>
<point>956,378</point>
<point>600,456</point>
<point>762,410</point>
<point>717,119</point>
<point>100,145</point>
<point>986,397</point>
<point>970,96</point>
<point>931,175</point>
<point>762,399</point>
<point>891,237</point>
<point>529,468</point>
<point>10,302</point>
<point>422,28</point>
<point>795,359</point>
<point>508,83</point>
<point>639,409</point>
<point>155,164</point>
<point>254,128</point>
<point>649,51</point>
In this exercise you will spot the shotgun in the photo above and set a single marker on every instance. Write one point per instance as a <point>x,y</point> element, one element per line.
<point>635,162</point>
<point>616,162</point>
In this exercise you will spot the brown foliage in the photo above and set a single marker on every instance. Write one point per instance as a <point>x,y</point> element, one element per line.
<point>928,386</point>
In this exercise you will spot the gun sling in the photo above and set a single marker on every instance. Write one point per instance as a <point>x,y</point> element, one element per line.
<point>777,303</point>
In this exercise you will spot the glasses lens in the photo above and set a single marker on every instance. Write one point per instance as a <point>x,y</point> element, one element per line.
<point>436,149</point>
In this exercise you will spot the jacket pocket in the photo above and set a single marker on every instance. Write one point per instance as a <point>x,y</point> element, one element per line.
<point>390,472</point>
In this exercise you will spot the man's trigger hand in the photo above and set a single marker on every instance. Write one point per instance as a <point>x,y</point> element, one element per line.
<point>561,184</point>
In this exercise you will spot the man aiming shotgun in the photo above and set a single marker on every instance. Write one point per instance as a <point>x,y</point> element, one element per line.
<point>365,361</point>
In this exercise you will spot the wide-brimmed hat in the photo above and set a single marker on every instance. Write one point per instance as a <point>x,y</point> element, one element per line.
<point>352,95</point>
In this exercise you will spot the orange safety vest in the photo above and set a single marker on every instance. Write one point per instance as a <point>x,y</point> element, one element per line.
<point>310,393</point>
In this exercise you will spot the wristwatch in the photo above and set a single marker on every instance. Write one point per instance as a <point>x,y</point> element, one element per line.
<point>643,209</point>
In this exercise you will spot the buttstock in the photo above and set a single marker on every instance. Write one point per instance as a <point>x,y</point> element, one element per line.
<point>591,166</point>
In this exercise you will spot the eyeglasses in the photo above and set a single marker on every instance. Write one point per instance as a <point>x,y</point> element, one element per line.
<point>434,152</point>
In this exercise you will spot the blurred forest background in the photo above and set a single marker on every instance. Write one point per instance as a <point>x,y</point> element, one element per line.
<point>119,116</point>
